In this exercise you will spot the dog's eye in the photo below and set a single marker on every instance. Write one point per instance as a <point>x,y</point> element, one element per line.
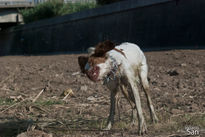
<point>87,66</point>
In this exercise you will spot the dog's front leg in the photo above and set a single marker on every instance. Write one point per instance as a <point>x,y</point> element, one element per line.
<point>112,110</point>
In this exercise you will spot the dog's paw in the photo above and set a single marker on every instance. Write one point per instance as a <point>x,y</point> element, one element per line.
<point>109,126</point>
<point>142,129</point>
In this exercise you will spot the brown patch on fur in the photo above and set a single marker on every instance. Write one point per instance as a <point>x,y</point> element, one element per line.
<point>102,48</point>
<point>82,60</point>
<point>120,51</point>
<point>100,51</point>
<point>96,60</point>
<point>98,57</point>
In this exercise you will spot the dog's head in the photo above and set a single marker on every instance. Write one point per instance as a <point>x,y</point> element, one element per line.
<point>97,65</point>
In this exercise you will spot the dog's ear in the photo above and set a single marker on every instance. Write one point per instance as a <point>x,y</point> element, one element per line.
<point>103,47</point>
<point>91,50</point>
<point>82,60</point>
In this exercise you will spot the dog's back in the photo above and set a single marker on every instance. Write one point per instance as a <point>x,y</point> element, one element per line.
<point>128,53</point>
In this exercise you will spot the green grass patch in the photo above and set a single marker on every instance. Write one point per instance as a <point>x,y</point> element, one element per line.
<point>75,7</point>
<point>190,120</point>
<point>48,102</point>
<point>6,101</point>
<point>121,125</point>
<point>177,123</point>
<point>54,8</point>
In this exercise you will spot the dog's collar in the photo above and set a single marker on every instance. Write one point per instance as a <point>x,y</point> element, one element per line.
<point>112,74</point>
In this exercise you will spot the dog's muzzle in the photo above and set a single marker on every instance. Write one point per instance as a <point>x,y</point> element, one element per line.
<point>92,72</point>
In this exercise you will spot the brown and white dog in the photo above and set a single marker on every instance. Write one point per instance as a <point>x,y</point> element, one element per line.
<point>121,68</point>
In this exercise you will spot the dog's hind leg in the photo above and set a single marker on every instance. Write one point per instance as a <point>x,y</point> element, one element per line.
<point>145,84</point>
<point>132,81</point>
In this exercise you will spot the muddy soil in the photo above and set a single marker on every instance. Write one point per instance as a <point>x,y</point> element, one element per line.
<point>177,82</point>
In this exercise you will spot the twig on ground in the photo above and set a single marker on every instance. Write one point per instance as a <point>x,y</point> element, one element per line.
<point>42,109</point>
<point>68,92</point>
<point>66,96</point>
<point>61,106</point>
<point>195,113</point>
<point>76,73</point>
<point>15,105</point>
<point>34,100</point>
<point>7,78</point>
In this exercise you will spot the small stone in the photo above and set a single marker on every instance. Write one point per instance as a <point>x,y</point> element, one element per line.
<point>91,98</point>
<point>191,97</point>
<point>78,76</point>
<point>183,64</point>
<point>154,83</point>
<point>157,89</point>
<point>197,62</point>
<point>84,88</point>
<point>177,111</point>
<point>67,92</point>
<point>173,73</point>
<point>174,100</point>
<point>194,106</point>
<point>164,84</point>
<point>76,73</point>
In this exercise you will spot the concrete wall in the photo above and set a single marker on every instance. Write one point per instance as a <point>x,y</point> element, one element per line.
<point>10,16</point>
<point>16,3</point>
<point>152,24</point>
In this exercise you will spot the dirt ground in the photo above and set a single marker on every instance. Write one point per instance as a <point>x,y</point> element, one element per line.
<point>177,81</point>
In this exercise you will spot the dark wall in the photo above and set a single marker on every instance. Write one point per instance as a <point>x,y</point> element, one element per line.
<point>152,24</point>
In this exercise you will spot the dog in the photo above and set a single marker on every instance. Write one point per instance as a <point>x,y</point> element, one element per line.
<point>122,68</point>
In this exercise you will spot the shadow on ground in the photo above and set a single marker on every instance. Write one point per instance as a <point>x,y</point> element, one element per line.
<point>12,127</point>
